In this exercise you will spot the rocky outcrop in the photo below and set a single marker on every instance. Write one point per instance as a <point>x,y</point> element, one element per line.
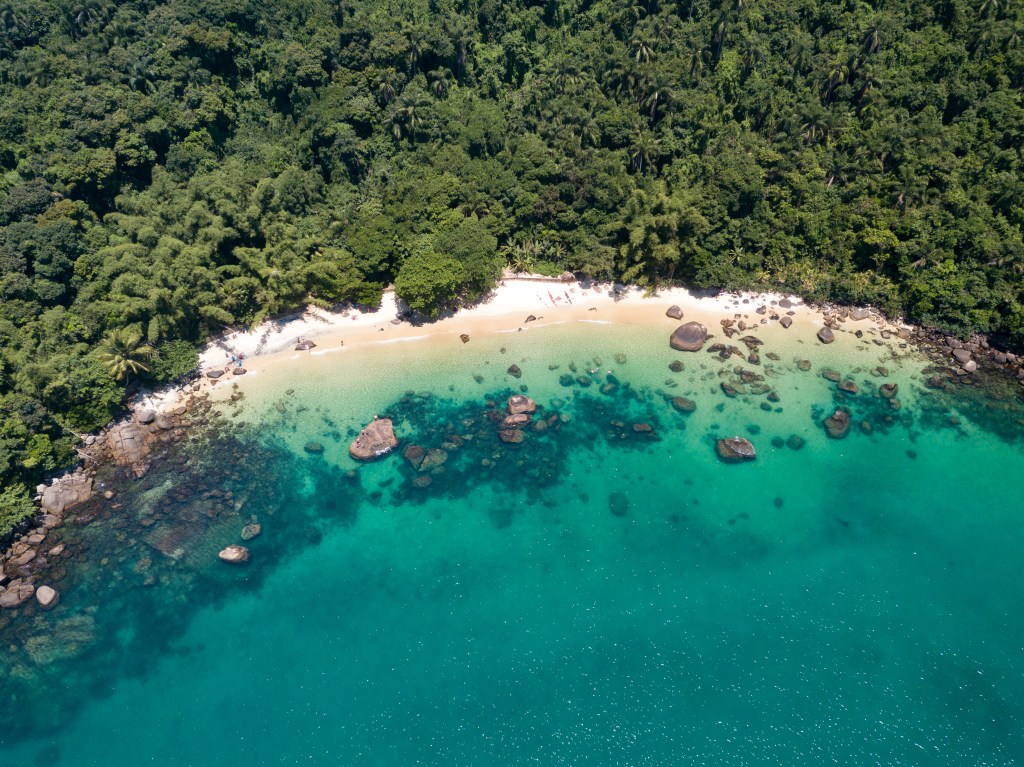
<point>234,555</point>
<point>376,440</point>
<point>825,335</point>
<point>16,593</point>
<point>837,425</point>
<point>689,337</point>
<point>735,450</point>
<point>66,493</point>
<point>519,403</point>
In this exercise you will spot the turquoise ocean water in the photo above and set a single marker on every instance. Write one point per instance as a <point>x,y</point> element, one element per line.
<point>593,596</point>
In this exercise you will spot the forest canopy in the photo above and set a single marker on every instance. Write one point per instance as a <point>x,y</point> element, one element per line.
<point>169,168</point>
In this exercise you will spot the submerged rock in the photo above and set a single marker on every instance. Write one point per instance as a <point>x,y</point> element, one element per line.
<point>735,450</point>
<point>376,440</point>
<point>515,371</point>
<point>684,405</point>
<point>434,458</point>
<point>234,555</point>
<point>618,504</point>
<point>689,337</point>
<point>251,530</point>
<point>511,436</point>
<point>848,386</point>
<point>414,454</point>
<point>313,448</point>
<point>795,442</point>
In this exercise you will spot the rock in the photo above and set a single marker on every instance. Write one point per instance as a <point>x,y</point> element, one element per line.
<point>618,504</point>
<point>252,530</point>
<point>689,337</point>
<point>47,597</point>
<point>674,312</point>
<point>804,365</point>
<point>583,380</point>
<point>754,358</point>
<point>676,366</point>
<point>515,371</point>
<point>517,421</point>
<point>620,358</point>
<point>215,374</point>
<point>785,303</point>
<point>313,448</point>
<point>826,336</point>
<point>305,346</point>
<point>888,390</point>
<point>961,355</point>
<point>511,436</point>
<point>423,480</point>
<point>376,440</point>
<point>729,389</point>
<point>22,559</point>
<point>735,450</point>
<point>234,555</point>
<point>17,592</point>
<point>795,442</point>
<point>519,403</point>
<point>530,318</point>
<point>69,491</point>
<point>434,458</point>
<point>786,321</point>
<point>50,521</point>
<point>684,405</point>
<point>837,425</point>
<point>642,428</point>
<point>848,386</point>
<point>145,416</point>
<point>464,338</point>
<point>970,366</point>
<point>414,454</point>
<point>857,314</point>
<point>831,375</point>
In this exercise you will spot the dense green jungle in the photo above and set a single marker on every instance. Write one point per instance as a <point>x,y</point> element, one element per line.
<point>169,169</point>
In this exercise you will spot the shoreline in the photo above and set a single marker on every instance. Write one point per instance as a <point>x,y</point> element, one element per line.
<point>164,416</point>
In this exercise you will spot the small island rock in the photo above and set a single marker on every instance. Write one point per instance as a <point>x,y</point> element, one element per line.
<point>47,597</point>
<point>519,403</point>
<point>234,555</point>
<point>735,450</point>
<point>377,439</point>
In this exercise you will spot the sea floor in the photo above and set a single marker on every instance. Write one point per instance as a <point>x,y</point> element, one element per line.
<point>596,595</point>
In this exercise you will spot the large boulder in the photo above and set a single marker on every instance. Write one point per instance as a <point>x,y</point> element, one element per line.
<point>47,597</point>
<point>146,415</point>
<point>837,425</point>
<point>519,403</point>
<point>961,355</point>
<point>689,337</point>
<point>735,450</point>
<point>234,555</point>
<point>67,492</point>
<point>377,439</point>
<point>826,336</point>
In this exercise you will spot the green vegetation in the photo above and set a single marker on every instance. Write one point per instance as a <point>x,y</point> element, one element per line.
<point>171,167</point>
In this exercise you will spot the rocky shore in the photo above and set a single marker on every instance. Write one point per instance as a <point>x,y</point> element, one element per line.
<point>131,443</point>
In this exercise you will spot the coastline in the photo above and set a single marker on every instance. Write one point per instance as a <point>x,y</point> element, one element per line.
<point>157,418</point>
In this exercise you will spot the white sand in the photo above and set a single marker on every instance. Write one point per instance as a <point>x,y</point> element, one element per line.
<point>273,342</point>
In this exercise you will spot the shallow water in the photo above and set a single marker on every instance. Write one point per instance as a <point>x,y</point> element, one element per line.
<point>856,601</point>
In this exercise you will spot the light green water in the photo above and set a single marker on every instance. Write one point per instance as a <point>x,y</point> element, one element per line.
<point>857,601</point>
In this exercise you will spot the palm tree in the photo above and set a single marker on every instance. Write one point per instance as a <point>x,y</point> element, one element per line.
<point>124,354</point>
<point>643,150</point>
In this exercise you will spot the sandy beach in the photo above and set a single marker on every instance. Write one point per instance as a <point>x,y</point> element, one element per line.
<point>507,310</point>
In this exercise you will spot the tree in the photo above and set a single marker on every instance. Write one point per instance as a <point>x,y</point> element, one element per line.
<point>430,282</point>
<point>124,355</point>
